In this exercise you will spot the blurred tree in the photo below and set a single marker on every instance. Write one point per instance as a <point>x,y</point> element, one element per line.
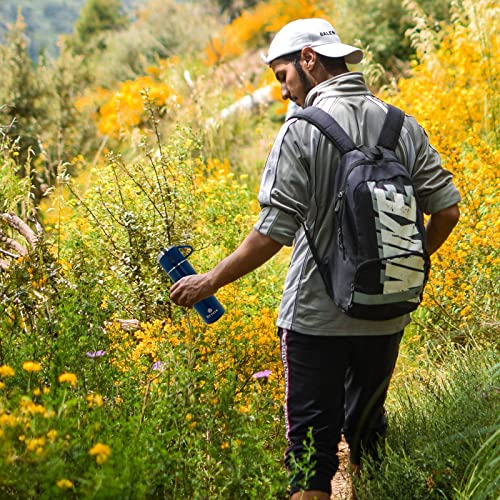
<point>47,19</point>
<point>159,30</point>
<point>382,26</point>
<point>68,132</point>
<point>233,8</point>
<point>21,114</point>
<point>37,109</point>
<point>97,18</point>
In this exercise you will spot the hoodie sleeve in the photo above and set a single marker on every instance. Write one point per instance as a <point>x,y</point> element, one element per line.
<point>284,191</point>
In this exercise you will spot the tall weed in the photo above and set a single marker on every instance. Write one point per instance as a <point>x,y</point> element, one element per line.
<point>439,417</point>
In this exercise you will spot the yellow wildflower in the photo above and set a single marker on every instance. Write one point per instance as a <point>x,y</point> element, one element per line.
<point>7,420</point>
<point>28,407</point>
<point>6,371</point>
<point>35,444</point>
<point>31,366</point>
<point>68,377</point>
<point>101,452</point>
<point>64,484</point>
<point>94,400</point>
<point>52,434</point>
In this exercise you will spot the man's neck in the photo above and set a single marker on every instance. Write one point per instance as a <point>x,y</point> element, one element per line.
<point>322,74</point>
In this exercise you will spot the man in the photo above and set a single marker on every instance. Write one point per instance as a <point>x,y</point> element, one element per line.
<point>337,369</point>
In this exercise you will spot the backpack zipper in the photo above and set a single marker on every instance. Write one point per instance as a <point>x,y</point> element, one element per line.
<point>339,205</point>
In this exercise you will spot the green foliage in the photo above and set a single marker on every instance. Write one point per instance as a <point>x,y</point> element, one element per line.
<point>135,210</point>
<point>67,132</point>
<point>45,20</point>
<point>130,397</point>
<point>97,17</point>
<point>158,31</point>
<point>381,27</point>
<point>21,113</point>
<point>482,479</point>
<point>38,102</point>
<point>439,419</point>
<point>303,469</point>
<point>38,111</point>
<point>234,7</point>
<point>12,189</point>
<point>180,434</point>
<point>91,416</point>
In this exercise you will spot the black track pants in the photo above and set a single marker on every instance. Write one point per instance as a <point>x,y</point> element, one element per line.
<point>334,385</point>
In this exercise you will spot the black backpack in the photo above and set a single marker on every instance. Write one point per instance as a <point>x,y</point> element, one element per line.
<point>376,265</point>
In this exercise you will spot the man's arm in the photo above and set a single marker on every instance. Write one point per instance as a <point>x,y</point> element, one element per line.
<point>254,250</point>
<point>440,226</point>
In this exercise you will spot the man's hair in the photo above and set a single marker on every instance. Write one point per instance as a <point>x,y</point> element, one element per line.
<point>294,57</point>
<point>329,63</point>
<point>332,63</point>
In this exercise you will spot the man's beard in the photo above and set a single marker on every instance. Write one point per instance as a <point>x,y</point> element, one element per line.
<point>304,78</point>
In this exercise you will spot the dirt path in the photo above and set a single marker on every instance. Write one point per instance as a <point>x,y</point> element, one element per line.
<point>341,482</point>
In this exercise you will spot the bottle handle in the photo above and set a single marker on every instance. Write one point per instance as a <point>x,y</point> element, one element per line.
<point>189,247</point>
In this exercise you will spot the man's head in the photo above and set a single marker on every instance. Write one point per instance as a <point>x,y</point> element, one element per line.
<point>306,52</point>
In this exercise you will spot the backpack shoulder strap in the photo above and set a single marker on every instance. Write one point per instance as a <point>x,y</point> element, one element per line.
<point>333,131</point>
<point>328,125</point>
<point>391,129</point>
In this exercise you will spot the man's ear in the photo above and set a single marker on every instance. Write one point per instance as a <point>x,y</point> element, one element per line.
<point>309,57</point>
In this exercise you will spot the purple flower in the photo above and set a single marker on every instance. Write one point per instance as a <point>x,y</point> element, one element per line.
<point>159,366</point>
<point>95,354</point>
<point>262,374</point>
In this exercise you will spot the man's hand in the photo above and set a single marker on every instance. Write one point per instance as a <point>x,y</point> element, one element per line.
<point>255,249</point>
<point>191,289</point>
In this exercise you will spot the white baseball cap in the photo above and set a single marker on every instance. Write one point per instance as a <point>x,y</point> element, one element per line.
<point>315,33</point>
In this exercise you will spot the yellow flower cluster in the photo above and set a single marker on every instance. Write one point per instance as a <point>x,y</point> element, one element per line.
<point>6,371</point>
<point>244,339</point>
<point>125,108</point>
<point>92,99</point>
<point>22,425</point>
<point>101,452</point>
<point>454,93</point>
<point>247,29</point>
<point>29,407</point>
<point>222,197</point>
<point>31,366</point>
<point>35,444</point>
<point>64,484</point>
<point>94,400</point>
<point>68,378</point>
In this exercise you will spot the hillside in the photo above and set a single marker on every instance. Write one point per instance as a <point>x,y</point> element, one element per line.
<point>46,20</point>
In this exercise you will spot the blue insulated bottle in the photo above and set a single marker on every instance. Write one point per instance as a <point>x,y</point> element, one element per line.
<point>177,266</point>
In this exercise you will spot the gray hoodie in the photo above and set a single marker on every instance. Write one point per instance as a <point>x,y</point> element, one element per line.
<point>296,187</point>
